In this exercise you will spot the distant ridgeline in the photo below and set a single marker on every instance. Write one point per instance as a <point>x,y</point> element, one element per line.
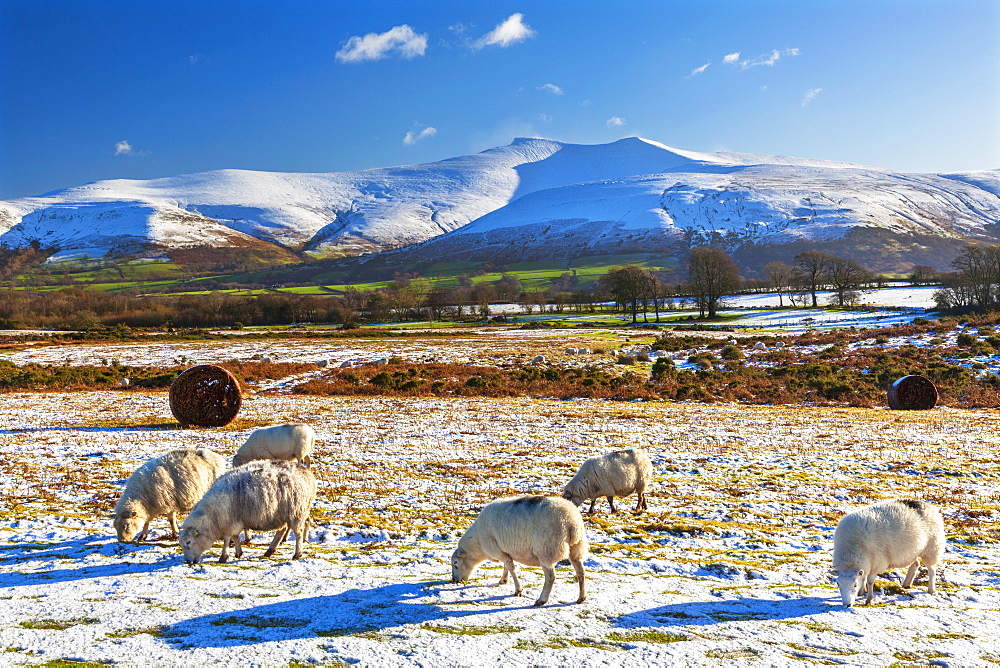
<point>533,199</point>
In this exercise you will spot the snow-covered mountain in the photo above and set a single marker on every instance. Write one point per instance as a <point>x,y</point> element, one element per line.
<point>533,198</point>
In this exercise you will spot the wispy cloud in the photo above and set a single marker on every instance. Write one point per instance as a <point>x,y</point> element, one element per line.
<point>810,95</point>
<point>766,59</point>
<point>552,88</point>
<point>508,33</point>
<point>412,137</point>
<point>615,122</point>
<point>698,70</point>
<point>123,148</point>
<point>375,46</point>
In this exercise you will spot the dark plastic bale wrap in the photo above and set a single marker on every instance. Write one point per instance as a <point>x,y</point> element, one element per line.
<point>912,393</point>
<point>205,395</point>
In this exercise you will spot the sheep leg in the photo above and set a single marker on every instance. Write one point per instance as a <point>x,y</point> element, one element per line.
<point>578,567</point>
<point>224,555</point>
<point>930,578</point>
<point>550,578</point>
<point>640,502</point>
<point>592,502</point>
<point>172,516</point>
<point>279,536</point>
<point>911,573</point>
<point>508,566</point>
<point>299,531</point>
<point>503,578</point>
<point>142,534</point>
<point>870,588</point>
<point>611,500</point>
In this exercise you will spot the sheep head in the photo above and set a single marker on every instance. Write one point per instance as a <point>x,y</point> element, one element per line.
<point>128,524</point>
<point>850,583</point>
<point>462,565</point>
<point>573,498</point>
<point>194,543</point>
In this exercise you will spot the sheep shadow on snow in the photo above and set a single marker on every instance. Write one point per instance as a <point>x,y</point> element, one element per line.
<point>350,612</point>
<point>78,549</point>
<point>703,613</point>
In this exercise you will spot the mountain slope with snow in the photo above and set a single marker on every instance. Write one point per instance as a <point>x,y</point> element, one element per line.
<point>528,199</point>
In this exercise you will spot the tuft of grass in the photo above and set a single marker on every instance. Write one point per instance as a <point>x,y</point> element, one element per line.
<point>259,622</point>
<point>155,631</point>
<point>648,636</point>
<point>471,630</point>
<point>56,624</point>
<point>564,643</point>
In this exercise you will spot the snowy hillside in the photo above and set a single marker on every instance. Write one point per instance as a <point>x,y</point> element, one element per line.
<point>517,201</point>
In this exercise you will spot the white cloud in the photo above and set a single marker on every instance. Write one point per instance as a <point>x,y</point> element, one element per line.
<point>615,122</point>
<point>412,137</point>
<point>545,118</point>
<point>508,33</point>
<point>766,59</point>
<point>123,148</point>
<point>810,95</point>
<point>698,70</point>
<point>552,88</point>
<point>375,46</point>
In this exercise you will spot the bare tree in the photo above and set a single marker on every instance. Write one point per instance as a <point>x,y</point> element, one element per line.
<point>846,277</point>
<point>780,275</point>
<point>712,275</point>
<point>629,286</point>
<point>812,266</point>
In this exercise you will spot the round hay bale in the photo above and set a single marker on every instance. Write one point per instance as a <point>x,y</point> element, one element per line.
<point>912,393</point>
<point>206,396</point>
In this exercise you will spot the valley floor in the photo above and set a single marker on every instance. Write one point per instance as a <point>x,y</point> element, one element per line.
<point>731,563</point>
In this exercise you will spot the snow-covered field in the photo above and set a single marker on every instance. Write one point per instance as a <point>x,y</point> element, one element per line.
<point>730,565</point>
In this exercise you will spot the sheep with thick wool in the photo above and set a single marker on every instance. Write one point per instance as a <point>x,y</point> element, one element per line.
<point>264,495</point>
<point>283,442</point>
<point>533,530</point>
<point>889,534</point>
<point>165,485</point>
<point>615,474</point>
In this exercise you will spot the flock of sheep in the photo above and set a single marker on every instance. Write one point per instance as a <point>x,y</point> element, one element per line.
<point>271,488</point>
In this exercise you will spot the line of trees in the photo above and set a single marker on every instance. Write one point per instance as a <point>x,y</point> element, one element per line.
<point>975,283</point>
<point>711,275</point>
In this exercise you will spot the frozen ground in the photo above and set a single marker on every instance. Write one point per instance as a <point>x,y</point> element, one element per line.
<point>730,565</point>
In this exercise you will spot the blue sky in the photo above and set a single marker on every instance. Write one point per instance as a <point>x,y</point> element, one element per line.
<point>95,89</point>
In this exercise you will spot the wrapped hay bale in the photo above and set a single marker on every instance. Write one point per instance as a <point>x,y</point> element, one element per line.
<point>206,396</point>
<point>912,393</point>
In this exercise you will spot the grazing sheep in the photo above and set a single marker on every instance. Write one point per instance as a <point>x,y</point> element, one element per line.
<point>166,485</point>
<point>533,530</point>
<point>346,364</point>
<point>759,346</point>
<point>571,351</point>
<point>283,441</point>
<point>616,474</point>
<point>263,495</point>
<point>890,534</point>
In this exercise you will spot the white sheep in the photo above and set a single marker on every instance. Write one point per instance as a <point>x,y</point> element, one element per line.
<point>263,495</point>
<point>533,530</point>
<point>165,485</point>
<point>615,474</point>
<point>283,441</point>
<point>889,534</point>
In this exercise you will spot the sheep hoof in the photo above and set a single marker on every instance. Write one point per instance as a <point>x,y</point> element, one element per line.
<point>223,559</point>
<point>539,603</point>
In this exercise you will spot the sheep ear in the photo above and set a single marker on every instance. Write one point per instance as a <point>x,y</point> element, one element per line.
<point>132,514</point>
<point>461,553</point>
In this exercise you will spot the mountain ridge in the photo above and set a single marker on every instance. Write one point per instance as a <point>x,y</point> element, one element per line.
<point>533,196</point>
